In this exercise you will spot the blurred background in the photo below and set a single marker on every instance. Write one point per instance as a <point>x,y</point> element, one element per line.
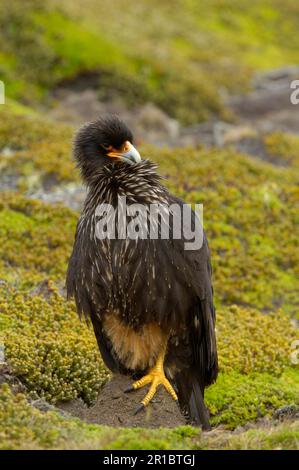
<point>180,72</point>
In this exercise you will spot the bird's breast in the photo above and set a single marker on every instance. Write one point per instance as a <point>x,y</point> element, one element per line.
<point>136,349</point>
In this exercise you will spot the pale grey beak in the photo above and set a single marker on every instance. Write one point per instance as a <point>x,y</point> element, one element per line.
<point>131,156</point>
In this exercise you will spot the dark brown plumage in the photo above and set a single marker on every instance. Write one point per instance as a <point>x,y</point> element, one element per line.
<point>140,294</point>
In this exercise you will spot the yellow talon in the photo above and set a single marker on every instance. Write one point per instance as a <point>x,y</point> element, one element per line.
<point>155,377</point>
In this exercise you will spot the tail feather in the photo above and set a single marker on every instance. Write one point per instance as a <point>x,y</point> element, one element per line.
<point>191,398</point>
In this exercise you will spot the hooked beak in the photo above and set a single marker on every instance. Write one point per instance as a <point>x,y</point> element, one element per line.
<point>128,154</point>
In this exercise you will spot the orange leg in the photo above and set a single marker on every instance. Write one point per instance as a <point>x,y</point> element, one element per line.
<point>155,377</point>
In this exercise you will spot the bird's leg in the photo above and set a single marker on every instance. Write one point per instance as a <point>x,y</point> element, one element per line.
<point>155,377</point>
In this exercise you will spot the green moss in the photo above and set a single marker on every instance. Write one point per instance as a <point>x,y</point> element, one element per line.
<point>284,438</point>
<point>20,130</point>
<point>163,439</point>
<point>17,109</point>
<point>38,148</point>
<point>283,147</point>
<point>77,47</point>
<point>250,217</point>
<point>249,341</point>
<point>268,436</point>
<point>44,43</point>
<point>226,44</point>
<point>5,324</point>
<point>29,230</point>
<point>54,354</point>
<point>20,222</point>
<point>24,427</point>
<point>57,356</point>
<point>236,398</point>
<point>255,366</point>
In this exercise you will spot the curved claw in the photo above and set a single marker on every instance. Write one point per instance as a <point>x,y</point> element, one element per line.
<point>140,408</point>
<point>155,377</point>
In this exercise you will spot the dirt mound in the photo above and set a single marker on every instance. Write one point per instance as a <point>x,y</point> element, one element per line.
<point>116,408</point>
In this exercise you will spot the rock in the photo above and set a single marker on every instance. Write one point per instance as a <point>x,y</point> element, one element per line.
<point>153,125</point>
<point>259,103</point>
<point>71,195</point>
<point>198,134</point>
<point>268,107</point>
<point>42,289</point>
<point>7,377</point>
<point>7,152</point>
<point>2,354</point>
<point>77,106</point>
<point>228,134</point>
<point>42,405</point>
<point>8,182</point>
<point>286,412</point>
<point>276,78</point>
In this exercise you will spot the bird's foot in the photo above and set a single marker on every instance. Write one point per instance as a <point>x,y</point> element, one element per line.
<point>155,377</point>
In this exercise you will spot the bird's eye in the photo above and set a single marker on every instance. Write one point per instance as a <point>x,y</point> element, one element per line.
<point>106,146</point>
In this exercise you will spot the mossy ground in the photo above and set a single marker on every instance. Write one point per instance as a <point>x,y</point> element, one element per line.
<point>250,212</point>
<point>24,427</point>
<point>55,355</point>
<point>284,147</point>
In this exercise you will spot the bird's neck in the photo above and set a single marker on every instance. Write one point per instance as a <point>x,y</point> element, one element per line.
<point>139,183</point>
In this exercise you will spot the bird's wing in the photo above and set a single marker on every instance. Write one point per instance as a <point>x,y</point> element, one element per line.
<point>197,269</point>
<point>194,354</point>
<point>87,281</point>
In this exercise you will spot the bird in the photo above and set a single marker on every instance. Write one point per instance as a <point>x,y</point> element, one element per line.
<point>149,300</point>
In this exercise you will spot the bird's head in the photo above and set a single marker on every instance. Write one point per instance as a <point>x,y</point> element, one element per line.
<point>106,140</point>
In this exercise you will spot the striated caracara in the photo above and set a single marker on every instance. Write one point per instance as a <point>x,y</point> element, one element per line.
<point>149,299</point>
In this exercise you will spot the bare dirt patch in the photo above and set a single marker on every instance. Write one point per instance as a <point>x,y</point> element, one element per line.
<point>116,408</point>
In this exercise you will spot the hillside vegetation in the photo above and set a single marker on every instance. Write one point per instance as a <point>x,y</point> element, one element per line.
<point>250,217</point>
<point>186,57</point>
<point>183,55</point>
